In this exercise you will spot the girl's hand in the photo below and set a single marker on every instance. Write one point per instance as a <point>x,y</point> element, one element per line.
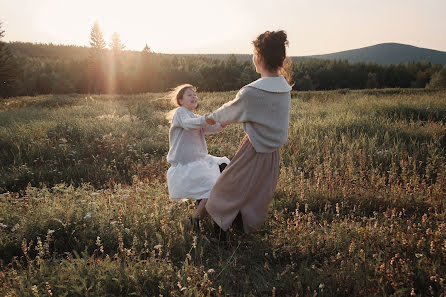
<point>209,120</point>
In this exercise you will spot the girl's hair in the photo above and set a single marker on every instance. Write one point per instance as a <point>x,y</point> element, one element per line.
<point>271,47</point>
<point>175,95</point>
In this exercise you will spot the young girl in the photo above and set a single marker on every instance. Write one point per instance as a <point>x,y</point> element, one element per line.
<point>193,171</point>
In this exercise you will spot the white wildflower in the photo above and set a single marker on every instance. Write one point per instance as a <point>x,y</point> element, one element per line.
<point>3,225</point>
<point>87,216</point>
<point>50,231</point>
<point>16,226</point>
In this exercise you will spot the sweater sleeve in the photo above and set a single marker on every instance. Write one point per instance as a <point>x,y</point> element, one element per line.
<point>212,129</point>
<point>233,111</point>
<point>187,122</point>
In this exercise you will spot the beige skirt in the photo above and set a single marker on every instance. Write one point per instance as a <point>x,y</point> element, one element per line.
<point>247,186</point>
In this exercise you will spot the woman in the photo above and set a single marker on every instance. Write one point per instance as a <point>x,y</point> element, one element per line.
<point>247,184</point>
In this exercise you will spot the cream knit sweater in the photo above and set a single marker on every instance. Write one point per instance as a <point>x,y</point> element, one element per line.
<point>263,107</point>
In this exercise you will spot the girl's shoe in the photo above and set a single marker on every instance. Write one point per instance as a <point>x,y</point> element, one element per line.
<point>222,166</point>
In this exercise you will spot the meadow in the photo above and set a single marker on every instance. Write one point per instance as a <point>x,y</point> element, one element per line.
<point>359,209</point>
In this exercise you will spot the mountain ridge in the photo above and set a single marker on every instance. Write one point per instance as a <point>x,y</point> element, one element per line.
<point>383,53</point>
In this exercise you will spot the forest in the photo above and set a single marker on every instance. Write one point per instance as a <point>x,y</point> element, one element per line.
<point>28,69</point>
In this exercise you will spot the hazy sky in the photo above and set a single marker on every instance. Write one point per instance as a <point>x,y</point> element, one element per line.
<point>229,26</point>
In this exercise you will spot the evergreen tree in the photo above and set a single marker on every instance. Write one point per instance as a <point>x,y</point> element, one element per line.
<point>96,60</point>
<point>146,74</point>
<point>8,69</point>
<point>116,44</point>
<point>115,75</point>
<point>147,49</point>
<point>97,41</point>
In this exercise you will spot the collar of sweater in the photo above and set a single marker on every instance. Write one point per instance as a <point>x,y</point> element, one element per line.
<point>276,84</point>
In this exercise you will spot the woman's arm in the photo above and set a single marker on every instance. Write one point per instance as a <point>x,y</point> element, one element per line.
<point>233,111</point>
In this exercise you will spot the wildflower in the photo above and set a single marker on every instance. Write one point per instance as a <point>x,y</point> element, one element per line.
<point>94,194</point>
<point>126,230</point>
<point>3,225</point>
<point>50,231</point>
<point>158,246</point>
<point>16,226</point>
<point>35,290</point>
<point>87,216</point>
<point>112,223</point>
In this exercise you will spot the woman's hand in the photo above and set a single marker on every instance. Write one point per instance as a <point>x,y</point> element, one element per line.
<point>209,120</point>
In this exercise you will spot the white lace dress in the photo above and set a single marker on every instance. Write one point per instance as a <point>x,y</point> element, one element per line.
<point>193,171</point>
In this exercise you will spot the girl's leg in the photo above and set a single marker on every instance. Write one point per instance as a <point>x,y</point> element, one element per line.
<point>201,210</point>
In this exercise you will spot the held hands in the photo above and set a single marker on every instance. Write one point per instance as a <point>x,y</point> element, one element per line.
<point>210,121</point>
<point>213,122</point>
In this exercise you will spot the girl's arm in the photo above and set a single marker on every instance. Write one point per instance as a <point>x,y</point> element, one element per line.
<point>213,129</point>
<point>187,122</point>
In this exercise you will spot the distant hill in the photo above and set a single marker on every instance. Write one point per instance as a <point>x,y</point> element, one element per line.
<point>386,53</point>
<point>383,54</point>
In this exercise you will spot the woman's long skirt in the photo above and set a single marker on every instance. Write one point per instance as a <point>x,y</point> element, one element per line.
<point>247,186</point>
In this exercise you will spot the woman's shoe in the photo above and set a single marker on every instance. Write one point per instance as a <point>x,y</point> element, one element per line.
<point>237,224</point>
<point>219,233</point>
<point>195,223</point>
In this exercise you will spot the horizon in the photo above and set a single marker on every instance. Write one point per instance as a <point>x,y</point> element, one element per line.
<point>204,54</point>
<point>332,28</point>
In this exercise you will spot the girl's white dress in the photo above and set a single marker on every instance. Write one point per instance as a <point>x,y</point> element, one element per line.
<point>193,171</point>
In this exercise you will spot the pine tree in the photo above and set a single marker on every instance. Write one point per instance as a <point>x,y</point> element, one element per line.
<point>146,49</point>
<point>8,69</point>
<point>146,75</point>
<point>116,45</point>
<point>96,60</point>
<point>96,38</point>
<point>115,75</point>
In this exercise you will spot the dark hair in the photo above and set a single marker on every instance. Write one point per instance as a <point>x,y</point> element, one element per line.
<point>271,47</point>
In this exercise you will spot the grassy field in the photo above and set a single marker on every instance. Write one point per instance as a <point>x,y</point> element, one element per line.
<point>359,209</point>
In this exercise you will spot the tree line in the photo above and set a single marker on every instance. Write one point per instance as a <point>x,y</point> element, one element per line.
<point>28,69</point>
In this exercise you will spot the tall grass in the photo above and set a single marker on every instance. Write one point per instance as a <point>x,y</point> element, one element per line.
<point>359,209</point>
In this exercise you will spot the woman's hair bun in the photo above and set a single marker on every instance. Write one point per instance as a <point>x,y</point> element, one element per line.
<point>271,46</point>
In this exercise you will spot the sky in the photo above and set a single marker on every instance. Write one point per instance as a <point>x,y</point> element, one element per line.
<point>228,26</point>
